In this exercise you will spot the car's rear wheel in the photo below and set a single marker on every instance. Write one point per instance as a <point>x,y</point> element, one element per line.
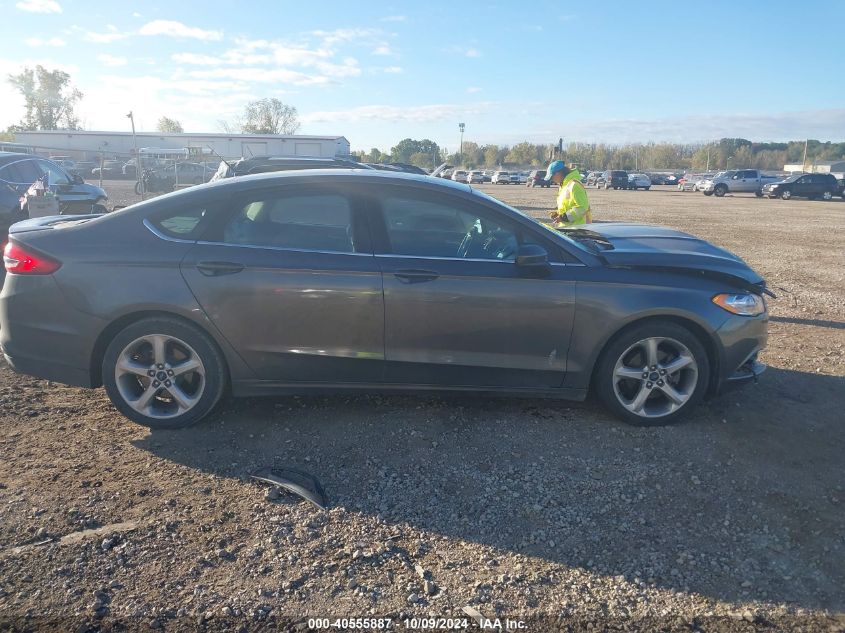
<point>653,373</point>
<point>759,193</point>
<point>163,373</point>
<point>786,194</point>
<point>827,195</point>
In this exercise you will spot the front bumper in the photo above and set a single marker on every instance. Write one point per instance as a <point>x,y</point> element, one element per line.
<point>741,340</point>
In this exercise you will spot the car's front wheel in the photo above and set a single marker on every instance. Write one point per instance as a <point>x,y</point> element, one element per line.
<point>163,373</point>
<point>720,190</point>
<point>786,194</point>
<point>653,373</point>
<point>827,195</point>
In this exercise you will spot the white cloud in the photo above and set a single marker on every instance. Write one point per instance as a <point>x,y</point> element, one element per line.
<point>103,38</point>
<point>338,36</point>
<point>262,75</point>
<point>472,52</point>
<point>111,60</point>
<point>172,28</point>
<point>39,6</point>
<point>473,89</point>
<point>37,41</point>
<point>383,49</point>
<point>394,70</point>
<point>405,114</point>
<point>195,59</point>
<point>394,18</point>
<point>135,14</point>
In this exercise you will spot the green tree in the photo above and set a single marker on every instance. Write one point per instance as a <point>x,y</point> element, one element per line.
<point>168,125</point>
<point>49,99</point>
<point>270,116</point>
<point>407,147</point>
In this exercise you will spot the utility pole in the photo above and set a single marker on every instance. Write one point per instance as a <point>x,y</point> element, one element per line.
<point>804,160</point>
<point>708,158</point>
<point>461,127</point>
<point>137,157</point>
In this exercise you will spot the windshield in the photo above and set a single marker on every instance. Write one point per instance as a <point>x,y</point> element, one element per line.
<point>578,238</point>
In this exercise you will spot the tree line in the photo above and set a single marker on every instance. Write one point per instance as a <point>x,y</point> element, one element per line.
<point>722,154</point>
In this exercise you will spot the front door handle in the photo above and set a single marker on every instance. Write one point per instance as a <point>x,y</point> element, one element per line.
<point>216,269</point>
<point>415,276</point>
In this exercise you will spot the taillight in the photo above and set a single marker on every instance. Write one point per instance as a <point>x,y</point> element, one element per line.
<point>21,261</point>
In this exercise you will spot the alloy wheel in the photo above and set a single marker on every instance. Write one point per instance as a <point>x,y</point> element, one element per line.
<point>160,376</point>
<point>655,377</point>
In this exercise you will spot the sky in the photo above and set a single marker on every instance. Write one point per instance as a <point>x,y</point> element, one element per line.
<point>378,72</point>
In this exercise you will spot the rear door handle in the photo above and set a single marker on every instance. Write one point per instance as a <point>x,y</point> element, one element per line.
<point>415,276</point>
<point>216,269</point>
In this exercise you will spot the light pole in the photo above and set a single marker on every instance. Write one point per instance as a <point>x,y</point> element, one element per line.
<point>137,157</point>
<point>461,127</point>
<point>727,161</point>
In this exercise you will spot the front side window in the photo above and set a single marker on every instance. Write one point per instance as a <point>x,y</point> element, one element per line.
<point>312,222</point>
<point>429,228</point>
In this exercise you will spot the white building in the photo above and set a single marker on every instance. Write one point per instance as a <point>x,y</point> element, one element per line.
<point>89,145</point>
<point>837,168</point>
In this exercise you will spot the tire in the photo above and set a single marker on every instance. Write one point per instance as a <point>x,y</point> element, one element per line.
<point>707,193</point>
<point>759,193</point>
<point>827,195</point>
<point>646,188</point>
<point>606,186</point>
<point>720,190</point>
<point>786,194</point>
<point>139,188</point>
<point>199,387</point>
<point>627,353</point>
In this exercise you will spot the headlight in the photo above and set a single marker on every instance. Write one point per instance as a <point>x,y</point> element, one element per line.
<point>745,304</point>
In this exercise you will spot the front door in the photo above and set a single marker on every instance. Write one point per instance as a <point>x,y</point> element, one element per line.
<point>458,310</point>
<point>290,280</point>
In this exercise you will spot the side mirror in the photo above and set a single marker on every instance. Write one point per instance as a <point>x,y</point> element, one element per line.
<point>533,259</point>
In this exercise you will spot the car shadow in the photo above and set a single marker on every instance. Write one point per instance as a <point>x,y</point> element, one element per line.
<point>836,325</point>
<point>756,473</point>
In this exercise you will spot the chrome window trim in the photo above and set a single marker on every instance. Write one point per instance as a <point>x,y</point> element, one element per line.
<point>284,249</point>
<point>154,230</point>
<point>448,259</point>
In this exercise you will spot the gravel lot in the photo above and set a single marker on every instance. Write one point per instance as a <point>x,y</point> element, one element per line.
<point>544,511</point>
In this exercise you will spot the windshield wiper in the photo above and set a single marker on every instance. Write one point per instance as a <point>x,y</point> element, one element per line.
<point>593,240</point>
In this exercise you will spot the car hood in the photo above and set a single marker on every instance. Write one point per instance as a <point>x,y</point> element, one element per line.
<point>643,246</point>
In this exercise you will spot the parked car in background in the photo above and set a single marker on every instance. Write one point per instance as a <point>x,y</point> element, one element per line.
<point>736,181</point>
<point>537,178</point>
<point>83,168</point>
<point>110,169</point>
<point>475,178</point>
<point>615,178</point>
<point>522,177</point>
<point>657,179</point>
<point>460,175</point>
<point>592,178</point>
<point>810,186</point>
<point>639,181</point>
<point>672,179</point>
<point>488,175</point>
<point>266,164</point>
<point>841,183</point>
<point>264,284</point>
<point>501,178</point>
<point>691,182</point>
<point>19,171</point>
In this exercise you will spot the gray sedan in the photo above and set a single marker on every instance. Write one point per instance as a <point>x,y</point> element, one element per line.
<point>347,280</point>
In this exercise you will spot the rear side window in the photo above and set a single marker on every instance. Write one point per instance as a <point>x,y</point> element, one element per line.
<point>22,171</point>
<point>185,223</point>
<point>311,222</point>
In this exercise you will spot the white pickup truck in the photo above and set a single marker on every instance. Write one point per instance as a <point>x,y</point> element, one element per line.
<point>736,181</point>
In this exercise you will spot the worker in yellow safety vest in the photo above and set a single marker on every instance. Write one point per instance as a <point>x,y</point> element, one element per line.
<point>573,207</point>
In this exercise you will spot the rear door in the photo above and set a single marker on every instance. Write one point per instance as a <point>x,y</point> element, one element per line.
<point>289,278</point>
<point>458,311</point>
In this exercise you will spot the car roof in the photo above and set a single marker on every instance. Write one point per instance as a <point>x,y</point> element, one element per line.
<point>10,157</point>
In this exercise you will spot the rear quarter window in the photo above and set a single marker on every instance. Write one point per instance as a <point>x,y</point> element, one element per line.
<point>185,223</point>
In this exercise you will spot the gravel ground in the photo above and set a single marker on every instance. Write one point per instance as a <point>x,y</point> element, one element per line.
<point>543,511</point>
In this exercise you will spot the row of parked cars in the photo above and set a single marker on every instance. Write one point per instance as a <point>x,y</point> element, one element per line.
<point>811,186</point>
<point>617,179</point>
